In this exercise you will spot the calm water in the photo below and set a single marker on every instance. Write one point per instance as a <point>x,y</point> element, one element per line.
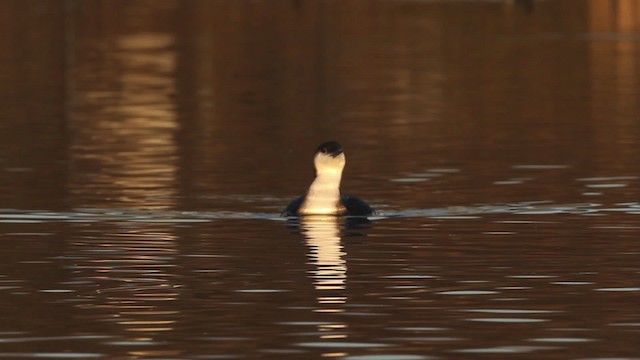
<point>147,147</point>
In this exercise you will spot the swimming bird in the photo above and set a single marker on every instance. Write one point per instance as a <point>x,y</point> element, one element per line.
<point>323,196</point>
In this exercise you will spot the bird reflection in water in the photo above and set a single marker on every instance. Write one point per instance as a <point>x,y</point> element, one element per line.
<point>323,235</point>
<point>326,252</point>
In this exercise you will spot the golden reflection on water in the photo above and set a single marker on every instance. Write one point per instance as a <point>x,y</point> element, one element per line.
<point>129,275</point>
<point>126,151</point>
<point>326,252</point>
<point>614,67</point>
<point>322,234</point>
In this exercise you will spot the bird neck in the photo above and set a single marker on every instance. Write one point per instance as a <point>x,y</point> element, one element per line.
<point>324,194</point>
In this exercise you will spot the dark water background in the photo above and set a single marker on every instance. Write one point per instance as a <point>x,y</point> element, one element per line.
<point>147,147</point>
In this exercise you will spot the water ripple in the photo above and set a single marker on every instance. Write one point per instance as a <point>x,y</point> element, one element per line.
<point>450,213</point>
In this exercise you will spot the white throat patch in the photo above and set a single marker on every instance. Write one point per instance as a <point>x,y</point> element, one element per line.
<point>323,197</point>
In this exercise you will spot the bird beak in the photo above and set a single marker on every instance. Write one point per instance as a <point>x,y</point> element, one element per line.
<point>336,153</point>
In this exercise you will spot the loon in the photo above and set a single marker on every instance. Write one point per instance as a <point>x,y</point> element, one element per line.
<point>323,196</point>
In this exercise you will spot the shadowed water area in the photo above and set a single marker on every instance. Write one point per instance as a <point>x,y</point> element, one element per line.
<point>148,147</point>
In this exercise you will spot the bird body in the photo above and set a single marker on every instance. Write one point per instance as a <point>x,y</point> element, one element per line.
<point>323,196</point>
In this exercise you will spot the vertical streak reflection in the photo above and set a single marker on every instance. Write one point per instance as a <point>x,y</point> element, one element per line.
<point>326,253</point>
<point>123,121</point>
<point>614,77</point>
<point>322,234</point>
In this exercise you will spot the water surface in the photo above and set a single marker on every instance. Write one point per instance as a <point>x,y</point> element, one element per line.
<point>148,147</point>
